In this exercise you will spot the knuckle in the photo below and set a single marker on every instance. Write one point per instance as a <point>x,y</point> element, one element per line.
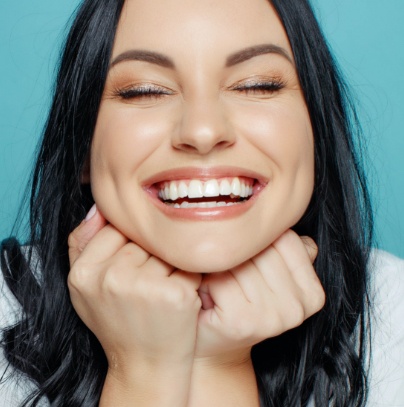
<point>296,313</point>
<point>244,330</point>
<point>314,295</point>
<point>240,326</point>
<point>285,239</point>
<point>114,283</point>
<point>78,277</point>
<point>133,250</point>
<point>73,240</point>
<point>311,247</point>
<point>178,297</point>
<point>110,284</point>
<point>318,297</point>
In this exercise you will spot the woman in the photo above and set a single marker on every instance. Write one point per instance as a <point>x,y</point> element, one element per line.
<point>212,138</point>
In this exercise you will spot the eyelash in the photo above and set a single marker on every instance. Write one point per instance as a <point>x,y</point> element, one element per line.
<point>155,92</point>
<point>259,87</point>
<point>143,91</point>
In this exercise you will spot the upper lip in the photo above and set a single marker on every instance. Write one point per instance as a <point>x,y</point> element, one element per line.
<point>203,174</point>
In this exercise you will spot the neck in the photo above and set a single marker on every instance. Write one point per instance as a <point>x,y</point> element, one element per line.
<point>228,380</point>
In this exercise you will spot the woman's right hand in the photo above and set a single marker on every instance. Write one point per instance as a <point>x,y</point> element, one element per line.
<point>137,306</point>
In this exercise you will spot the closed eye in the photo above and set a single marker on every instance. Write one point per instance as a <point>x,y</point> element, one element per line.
<point>143,92</point>
<point>259,87</point>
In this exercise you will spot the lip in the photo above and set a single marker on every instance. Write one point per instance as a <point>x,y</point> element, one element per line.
<point>204,174</point>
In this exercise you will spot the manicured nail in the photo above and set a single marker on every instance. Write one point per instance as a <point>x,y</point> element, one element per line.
<point>91,212</point>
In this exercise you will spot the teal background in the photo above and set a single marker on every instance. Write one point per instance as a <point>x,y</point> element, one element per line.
<point>366,36</point>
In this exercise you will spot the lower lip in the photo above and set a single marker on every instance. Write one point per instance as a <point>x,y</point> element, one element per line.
<point>206,214</point>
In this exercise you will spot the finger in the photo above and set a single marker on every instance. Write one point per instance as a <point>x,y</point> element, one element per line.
<point>297,253</point>
<point>310,246</point>
<point>80,237</point>
<point>299,286</point>
<point>158,267</point>
<point>138,255</point>
<point>206,298</point>
<point>274,271</point>
<point>191,280</point>
<point>223,289</point>
<point>105,244</point>
<point>250,280</point>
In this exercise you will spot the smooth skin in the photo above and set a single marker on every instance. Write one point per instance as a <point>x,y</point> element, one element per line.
<point>178,304</point>
<point>207,111</point>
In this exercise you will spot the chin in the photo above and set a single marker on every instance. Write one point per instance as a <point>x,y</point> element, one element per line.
<point>197,265</point>
<point>203,260</point>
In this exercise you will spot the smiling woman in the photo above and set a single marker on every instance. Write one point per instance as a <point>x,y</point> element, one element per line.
<point>225,255</point>
<point>172,117</point>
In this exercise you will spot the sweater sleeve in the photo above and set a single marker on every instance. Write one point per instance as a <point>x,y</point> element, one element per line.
<point>386,376</point>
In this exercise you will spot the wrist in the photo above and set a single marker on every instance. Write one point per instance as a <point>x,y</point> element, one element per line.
<point>226,380</point>
<point>146,385</point>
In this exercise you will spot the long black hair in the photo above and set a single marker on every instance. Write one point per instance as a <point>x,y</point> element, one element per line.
<point>322,360</point>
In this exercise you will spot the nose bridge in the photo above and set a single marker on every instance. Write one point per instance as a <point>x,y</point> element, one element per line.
<point>203,125</point>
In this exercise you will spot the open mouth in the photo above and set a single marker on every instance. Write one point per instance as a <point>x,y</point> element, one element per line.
<point>212,193</point>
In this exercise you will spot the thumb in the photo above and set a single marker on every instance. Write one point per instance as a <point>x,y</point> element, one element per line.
<point>204,292</point>
<point>87,229</point>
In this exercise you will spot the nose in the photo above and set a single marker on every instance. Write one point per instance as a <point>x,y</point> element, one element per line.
<point>203,127</point>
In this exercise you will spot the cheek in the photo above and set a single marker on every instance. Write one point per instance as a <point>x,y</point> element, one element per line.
<point>122,142</point>
<point>282,132</point>
<point>123,139</point>
<point>283,135</point>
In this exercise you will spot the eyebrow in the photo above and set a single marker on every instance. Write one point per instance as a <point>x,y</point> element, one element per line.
<point>143,55</point>
<point>251,52</point>
<point>233,59</point>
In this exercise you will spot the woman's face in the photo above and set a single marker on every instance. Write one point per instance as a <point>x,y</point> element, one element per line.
<point>203,149</point>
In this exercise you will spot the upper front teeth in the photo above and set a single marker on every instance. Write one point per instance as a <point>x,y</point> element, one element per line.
<point>198,189</point>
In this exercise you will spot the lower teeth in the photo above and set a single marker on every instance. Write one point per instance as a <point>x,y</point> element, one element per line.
<point>186,204</point>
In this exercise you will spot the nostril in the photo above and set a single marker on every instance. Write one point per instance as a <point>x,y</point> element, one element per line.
<point>223,143</point>
<point>186,147</point>
<point>202,146</point>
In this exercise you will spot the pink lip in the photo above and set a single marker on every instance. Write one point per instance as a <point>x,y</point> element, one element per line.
<point>204,173</point>
<point>205,214</point>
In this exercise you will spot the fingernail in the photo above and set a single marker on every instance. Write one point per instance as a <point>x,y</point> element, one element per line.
<point>91,213</point>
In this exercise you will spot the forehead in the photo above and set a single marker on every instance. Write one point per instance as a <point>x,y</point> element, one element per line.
<point>198,27</point>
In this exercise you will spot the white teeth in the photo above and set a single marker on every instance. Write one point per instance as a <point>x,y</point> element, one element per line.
<point>173,191</point>
<point>242,190</point>
<point>182,189</point>
<point>195,189</point>
<point>225,187</point>
<point>234,188</point>
<point>188,205</point>
<point>211,188</point>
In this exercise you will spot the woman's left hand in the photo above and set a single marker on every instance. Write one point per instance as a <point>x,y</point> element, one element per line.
<point>267,295</point>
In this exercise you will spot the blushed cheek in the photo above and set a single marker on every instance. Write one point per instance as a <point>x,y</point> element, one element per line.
<point>282,133</point>
<point>295,139</point>
<point>124,140</point>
